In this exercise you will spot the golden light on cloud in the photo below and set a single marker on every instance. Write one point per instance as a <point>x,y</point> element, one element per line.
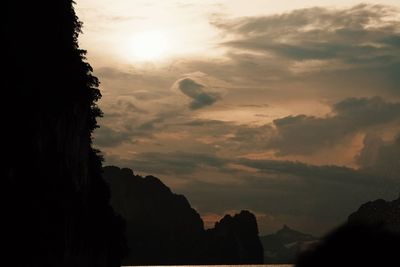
<point>150,45</point>
<point>243,103</point>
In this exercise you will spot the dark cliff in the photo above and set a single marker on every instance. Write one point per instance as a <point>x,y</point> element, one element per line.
<point>55,204</point>
<point>234,240</point>
<point>162,227</point>
<point>369,238</point>
<point>379,212</point>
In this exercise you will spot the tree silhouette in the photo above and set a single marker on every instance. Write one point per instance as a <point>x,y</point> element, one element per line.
<point>55,203</point>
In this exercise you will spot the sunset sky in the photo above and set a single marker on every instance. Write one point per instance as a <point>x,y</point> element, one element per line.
<point>290,109</point>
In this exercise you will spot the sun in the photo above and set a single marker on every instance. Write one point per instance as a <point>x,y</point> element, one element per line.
<point>150,45</point>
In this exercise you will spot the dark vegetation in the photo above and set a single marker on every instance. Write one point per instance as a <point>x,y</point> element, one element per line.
<point>55,204</point>
<point>371,237</point>
<point>162,227</point>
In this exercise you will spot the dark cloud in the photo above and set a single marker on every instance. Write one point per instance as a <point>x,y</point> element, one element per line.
<point>108,137</point>
<point>253,135</point>
<point>175,163</point>
<point>199,122</point>
<point>355,17</point>
<point>155,124</point>
<point>129,130</point>
<point>370,151</point>
<point>201,97</point>
<point>288,136</point>
<point>363,112</point>
<point>303,134</point>
<point>319,33</point>
<point>346,47</point>
<point>381,157</point>
<point>129,107</point>
<point>142,84</point>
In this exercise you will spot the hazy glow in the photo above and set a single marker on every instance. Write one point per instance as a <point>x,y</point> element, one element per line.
<point>149,45</point>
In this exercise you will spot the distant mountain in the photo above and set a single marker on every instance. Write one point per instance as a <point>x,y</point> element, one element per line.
<point>163,229</point>
<point>285,244</point>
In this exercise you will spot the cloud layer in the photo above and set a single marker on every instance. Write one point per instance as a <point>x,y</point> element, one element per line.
<point>297,120</point>
<point>303,134</point>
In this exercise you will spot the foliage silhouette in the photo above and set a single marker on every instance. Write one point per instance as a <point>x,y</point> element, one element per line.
<point>55,203</point>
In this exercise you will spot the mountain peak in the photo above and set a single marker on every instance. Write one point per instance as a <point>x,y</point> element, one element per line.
<point>289,235</point>
<point>287,230</point>
<point>282,247</point>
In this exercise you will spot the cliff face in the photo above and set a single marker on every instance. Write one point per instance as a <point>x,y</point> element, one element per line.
<point>55,202</point>
<point>163,228</point>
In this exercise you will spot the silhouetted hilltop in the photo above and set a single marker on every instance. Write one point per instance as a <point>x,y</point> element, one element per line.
<point>234,240</point>
<point>369,238</point>
<point>55,204</point>
<point>379,212</point>
<point>284,245</point>
<point>162,227</point>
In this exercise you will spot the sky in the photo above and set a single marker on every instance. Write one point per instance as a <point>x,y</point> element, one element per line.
<point>290,109</point>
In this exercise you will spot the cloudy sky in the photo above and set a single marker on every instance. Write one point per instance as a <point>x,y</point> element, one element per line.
<point>290,109</point>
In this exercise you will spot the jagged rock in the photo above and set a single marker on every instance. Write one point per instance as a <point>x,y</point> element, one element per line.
<point>163,228</point>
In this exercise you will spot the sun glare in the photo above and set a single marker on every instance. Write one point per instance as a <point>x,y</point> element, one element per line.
<point>150,45</point>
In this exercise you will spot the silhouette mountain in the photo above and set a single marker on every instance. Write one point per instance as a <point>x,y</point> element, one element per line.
<point>369,238</point>
<point>283,246</point>
<point>234,240</point>
<point>163,229</point>
<point>379,212</point>
<point>161,226</point>
<point>55,203</point>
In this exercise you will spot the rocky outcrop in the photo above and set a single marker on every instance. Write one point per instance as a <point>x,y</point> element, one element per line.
<point>234,240</point>
<point>55,204</point>
<point>369,238</point>
<point>163,229</point>
<point>354,245</point>
<point>379,212</point>
<point>283,246</point>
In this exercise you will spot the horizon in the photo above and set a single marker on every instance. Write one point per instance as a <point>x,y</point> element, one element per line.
<point>290,110</point>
